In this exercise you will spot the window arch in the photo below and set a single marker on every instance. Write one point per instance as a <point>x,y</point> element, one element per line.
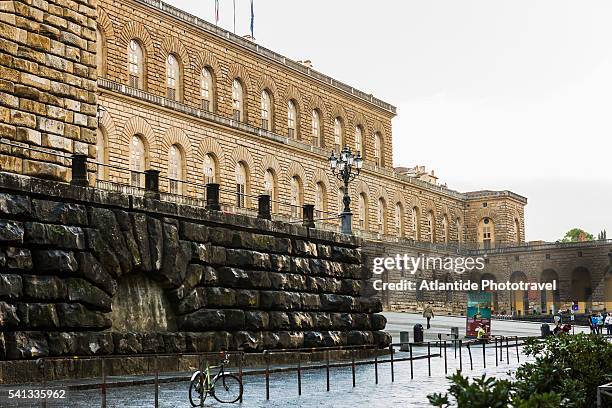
<point>415,217</point>
<point>431,226</point>
<point>138,160</point>
<point>242,184</point>
<point>238,100</point>
<point>399,219</point>
<point>207,90</point>
<point>136,64</point>
<point>100,52</point>
<point>378,149</point>
<point>297,196</point>
<point>517,230</point>
<point>102,153</point>
<point>270,188</point>
<point>359,140</point>
<point>320,199</point>
<point>445,229</point>
<point>173,78</point>
<point>486,233</point>
<point>175,169</point>
<point>381,216</point>
<point>338,134</point>
<point>292,119</point>
<point>316,128</point>
<point>267,117</point>
<point>210,168</point>
<point>363,211</point>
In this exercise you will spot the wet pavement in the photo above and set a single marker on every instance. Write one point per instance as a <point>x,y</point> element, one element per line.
<point>404,391</point>
<point>284,391</point>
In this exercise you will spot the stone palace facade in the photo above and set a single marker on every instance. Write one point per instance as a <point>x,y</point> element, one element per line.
<point>142,85</point>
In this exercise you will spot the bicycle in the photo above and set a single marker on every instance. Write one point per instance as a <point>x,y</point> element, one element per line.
<point>224,387</point>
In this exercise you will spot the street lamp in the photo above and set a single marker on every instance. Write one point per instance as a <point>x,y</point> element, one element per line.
<point>346,168</point>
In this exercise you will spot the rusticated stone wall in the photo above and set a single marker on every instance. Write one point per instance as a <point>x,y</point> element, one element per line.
<point>227,281</point>
<point>47,84</point>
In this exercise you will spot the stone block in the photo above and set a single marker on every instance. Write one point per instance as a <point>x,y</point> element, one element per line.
<point>247,299</point>
<point>15,205</point>
<point>41,287</point>
<point>24,345</point>
<point>77,316</point>
<point>256,320</point>
<point>233,277</point>
<point>59,236</point>
<point>279,321</point>
<point>54,260</point>
<point>90,268</point>
<point>378,321</point>
<point>11,232</point>
<point>195,300</point>
<point>38,315</point>
<point>292,340</point>
<point>19,259</point>
<point>80,290</point>
<point>10,318</point>
<point>220,297</point>
<point>247,341</point>
<point>11,286</point>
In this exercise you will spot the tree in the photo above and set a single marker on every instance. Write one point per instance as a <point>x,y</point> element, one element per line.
<point>577,235</point>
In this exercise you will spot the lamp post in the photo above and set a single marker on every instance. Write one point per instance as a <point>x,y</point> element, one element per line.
<point>346,168</point>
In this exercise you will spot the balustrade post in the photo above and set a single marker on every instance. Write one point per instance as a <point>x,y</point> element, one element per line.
<point>79,170</point>
<point>308,216</point>
<point>212,197</point>
<point>152,184</point>
<point>264,207</point>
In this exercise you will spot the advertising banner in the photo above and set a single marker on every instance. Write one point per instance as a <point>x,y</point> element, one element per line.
<point>478,312</point>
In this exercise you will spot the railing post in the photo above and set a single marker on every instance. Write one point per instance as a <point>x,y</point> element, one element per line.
<point>496,352</point>
<point>411,363</point>
<point>299,373</point>
<point>79,170</point>
<point>484,355</point>
<point>392,373</point>
<point>327,367</point>
<point>152,184</point>
<point>460,356</point>
<point>264,207</point>
<point>429,357</point>
<point>308,215</point>
<point>445,359</point>
<point>353,365</point>
<point>156,382</point>
<point>376,366</point>
<point>267,358</point>
<point>518,359</point>
<point>507,350</point>
<point>212,197</point>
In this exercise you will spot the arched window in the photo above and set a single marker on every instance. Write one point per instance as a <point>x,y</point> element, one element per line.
<point>381,216</point>
<point>270,187</point>
<point>173,78</point>
<point>296,197</point>
<point>237,100</point>
<point>359,140</point>
<point>517,230</point>
<point>378,156</point>
<point>486,233</point>
<point>241,184</point>
<point>266,110</point>
<point>291,120</point>
<point>175,169</point>
<point>399,219</point>
<point>137,161</point>
<point>338,134</point>
<point>459,228</point>
<point>316,129</point>
<point>445,229</point>
<point>100,53</point>
<point>210,168</point>
<point>431,223</point>
<point>101,154</point>
<point>207,90</point>
<point>135,65</point>
<point>415,218</point>
<point>320,199</point>
<point>363,211</point>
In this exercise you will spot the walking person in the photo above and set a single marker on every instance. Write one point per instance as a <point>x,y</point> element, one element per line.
<point>608,323</point>
<point>600,323</point>
<point>428,314</point>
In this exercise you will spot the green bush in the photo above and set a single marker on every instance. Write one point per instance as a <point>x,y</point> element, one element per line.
<point>566,372</point>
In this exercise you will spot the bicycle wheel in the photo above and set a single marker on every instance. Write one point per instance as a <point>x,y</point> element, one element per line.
<point>197,394</point>
<point>227,389</point>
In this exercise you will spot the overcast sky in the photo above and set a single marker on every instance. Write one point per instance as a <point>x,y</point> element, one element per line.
<point>491,94</point>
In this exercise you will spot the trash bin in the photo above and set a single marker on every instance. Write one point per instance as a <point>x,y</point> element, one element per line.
<point>545,330</point>
<point>404,338</point>
<point>418,333</point>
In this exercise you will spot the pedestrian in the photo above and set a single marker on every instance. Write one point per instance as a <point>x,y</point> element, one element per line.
<point>557,318</point>
<point>600,323</point>
<point>608,323</point>
<point>428,314</point>
<point>593,323</point>
<point>481,333</point>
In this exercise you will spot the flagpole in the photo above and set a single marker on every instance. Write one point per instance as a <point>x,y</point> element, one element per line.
<point>234,16</point>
